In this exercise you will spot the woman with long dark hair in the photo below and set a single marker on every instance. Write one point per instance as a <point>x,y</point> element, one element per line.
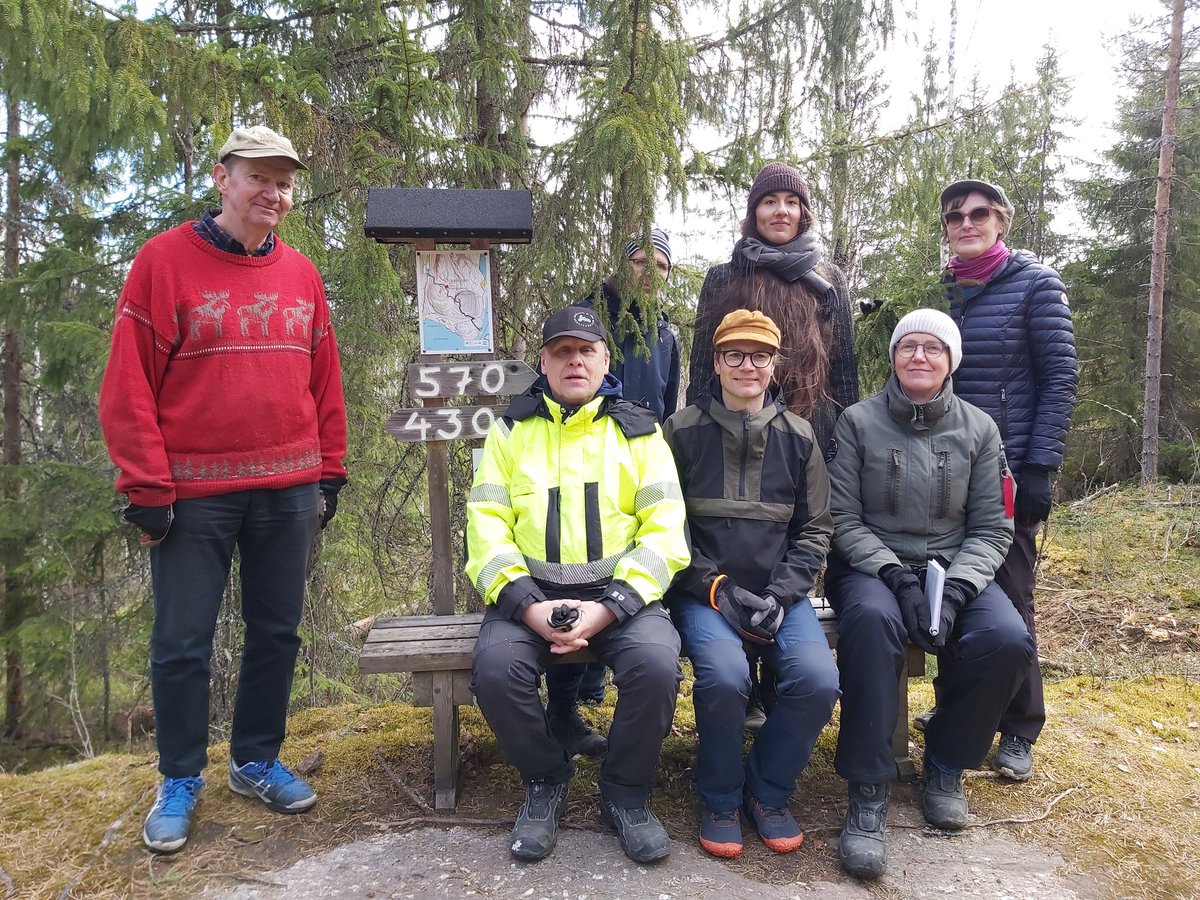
<point>778,269</point>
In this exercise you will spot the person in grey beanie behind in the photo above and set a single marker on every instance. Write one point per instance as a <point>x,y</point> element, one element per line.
<point>919,478</point>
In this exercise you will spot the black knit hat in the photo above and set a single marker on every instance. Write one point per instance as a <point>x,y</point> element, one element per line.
<point>773,177</point>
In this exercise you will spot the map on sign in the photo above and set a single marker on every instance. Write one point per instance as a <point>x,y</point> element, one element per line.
<point>454,298</point>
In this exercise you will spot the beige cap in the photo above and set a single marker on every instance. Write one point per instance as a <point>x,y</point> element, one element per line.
<point>258,141</point>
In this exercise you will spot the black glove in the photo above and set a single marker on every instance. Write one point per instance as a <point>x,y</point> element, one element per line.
<point>755,618</point>
<point>1033,496</point>
<point>154,522</point>
<point>329,495</point>
<point>914,608</point>
<point>955,595</point>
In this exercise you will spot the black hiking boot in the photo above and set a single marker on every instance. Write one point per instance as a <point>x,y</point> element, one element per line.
<point>577,736</point>
<point>945,802</point>
<point>642,836</point>
<point>536,831</point>
<point>863,844</point>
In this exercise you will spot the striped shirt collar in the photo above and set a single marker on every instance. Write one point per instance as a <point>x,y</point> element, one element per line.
<point>206,226</point>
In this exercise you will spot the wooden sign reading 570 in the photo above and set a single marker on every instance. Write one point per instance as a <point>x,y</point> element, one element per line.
<point>432,381</point>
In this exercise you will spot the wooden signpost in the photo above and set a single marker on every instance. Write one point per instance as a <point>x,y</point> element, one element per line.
<point>426,218</point>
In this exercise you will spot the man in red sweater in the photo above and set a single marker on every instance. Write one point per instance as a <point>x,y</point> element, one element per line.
<point>222,408</point>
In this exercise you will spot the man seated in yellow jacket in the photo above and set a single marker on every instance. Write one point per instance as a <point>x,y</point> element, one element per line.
<point>575,528</point>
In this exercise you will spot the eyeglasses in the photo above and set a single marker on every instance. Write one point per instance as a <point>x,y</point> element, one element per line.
<point>978,216</point>
<point>908,350</point>
<point>760,359</point>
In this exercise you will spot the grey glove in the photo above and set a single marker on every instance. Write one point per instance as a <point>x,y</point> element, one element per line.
<point>755,618</point>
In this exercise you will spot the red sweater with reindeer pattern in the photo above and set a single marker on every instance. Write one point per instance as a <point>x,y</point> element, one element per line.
<point>223,374</point>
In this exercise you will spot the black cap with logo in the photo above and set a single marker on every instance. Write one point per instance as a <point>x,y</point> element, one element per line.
<point>574,321</point>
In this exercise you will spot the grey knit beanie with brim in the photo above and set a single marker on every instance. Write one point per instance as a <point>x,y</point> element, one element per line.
<point>929,321</point>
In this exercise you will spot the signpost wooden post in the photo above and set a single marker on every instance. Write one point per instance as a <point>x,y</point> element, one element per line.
<point>423,218</point>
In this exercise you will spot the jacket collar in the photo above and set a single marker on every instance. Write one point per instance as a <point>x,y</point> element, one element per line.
<point>920,416</point>
<point>714,404</point>
<point>537,400</point>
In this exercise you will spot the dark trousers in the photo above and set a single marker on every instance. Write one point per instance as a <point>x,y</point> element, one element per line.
<point>983,663</point>
<point>643,653</point>
<point>1026,713</point>
<point>274,531</point>
<point>565,685</point>
<point>806,691</point>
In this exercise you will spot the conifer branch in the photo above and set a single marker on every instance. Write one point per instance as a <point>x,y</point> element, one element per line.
<point>745,29</point>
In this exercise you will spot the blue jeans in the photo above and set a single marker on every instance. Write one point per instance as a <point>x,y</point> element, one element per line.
<point>274,532</point>
<point>807,689</point>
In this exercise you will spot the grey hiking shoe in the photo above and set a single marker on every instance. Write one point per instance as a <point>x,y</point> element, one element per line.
<point>945,801</point>
<point>862,847</point>
<point>642,836</point>
<point>576,735</point>
<point>536,830</point>
<point>922,719</point>
<point>1014,758</point>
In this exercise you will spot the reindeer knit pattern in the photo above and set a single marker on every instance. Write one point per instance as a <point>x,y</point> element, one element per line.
<point>235,373</point>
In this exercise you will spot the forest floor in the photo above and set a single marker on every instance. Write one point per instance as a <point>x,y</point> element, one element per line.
<point>1113,808</point>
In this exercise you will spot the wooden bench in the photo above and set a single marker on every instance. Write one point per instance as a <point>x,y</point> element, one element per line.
<point>437,651</point>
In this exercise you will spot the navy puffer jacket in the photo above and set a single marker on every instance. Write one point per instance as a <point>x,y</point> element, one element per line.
<point>1018,361</point>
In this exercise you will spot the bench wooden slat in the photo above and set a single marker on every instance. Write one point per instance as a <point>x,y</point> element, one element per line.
<point>437,649</point>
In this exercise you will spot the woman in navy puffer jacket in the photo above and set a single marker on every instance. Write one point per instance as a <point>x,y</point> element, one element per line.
<point>1019,367</point>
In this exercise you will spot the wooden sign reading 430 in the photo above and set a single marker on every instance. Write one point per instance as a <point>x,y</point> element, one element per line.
<point>440,380</point>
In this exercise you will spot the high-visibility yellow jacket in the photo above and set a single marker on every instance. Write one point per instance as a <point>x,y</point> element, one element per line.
<point>588,508</point>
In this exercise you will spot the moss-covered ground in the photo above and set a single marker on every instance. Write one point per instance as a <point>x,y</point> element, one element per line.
<point>1116,788</point>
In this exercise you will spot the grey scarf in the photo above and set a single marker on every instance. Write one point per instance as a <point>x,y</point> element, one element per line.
<point>795,260</point>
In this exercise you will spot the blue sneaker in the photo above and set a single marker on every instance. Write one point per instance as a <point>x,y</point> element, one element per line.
<point>274,784</point>
<point>170,818</point>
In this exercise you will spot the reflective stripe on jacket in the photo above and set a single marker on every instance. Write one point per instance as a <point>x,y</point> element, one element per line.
<point>567,508</point>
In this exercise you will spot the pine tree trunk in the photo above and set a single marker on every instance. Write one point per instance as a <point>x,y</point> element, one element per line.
<point>1158,251</point>
<point>14,608</point>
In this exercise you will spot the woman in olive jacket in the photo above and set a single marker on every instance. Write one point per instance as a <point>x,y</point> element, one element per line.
<point>919,476</point>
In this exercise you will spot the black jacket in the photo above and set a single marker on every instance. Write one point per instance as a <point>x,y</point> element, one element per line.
<point>757,498</point>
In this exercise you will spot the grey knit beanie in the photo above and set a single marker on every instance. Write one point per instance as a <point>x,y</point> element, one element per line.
<point>929,321</point>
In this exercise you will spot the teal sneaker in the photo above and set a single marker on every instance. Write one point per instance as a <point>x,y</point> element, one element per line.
<point>170,818</point>
<point>274,784</point>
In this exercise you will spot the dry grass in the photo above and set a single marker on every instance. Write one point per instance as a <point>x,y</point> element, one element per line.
<point>1116,789</point>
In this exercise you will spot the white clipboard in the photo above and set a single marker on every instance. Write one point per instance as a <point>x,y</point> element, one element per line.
<point>935,583</point>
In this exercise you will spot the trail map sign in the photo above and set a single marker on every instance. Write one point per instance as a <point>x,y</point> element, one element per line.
<point>454,300</point>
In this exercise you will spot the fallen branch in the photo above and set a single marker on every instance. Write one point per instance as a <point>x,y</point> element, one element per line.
<point>1083,501</point>
<point>110,835</point>
<point>413,795</point>
<point>1015,821</point>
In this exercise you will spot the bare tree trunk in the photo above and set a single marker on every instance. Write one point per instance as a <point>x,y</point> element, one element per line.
<point>1158,251</point>
<point>951,63</point>
<point>14,608</point>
